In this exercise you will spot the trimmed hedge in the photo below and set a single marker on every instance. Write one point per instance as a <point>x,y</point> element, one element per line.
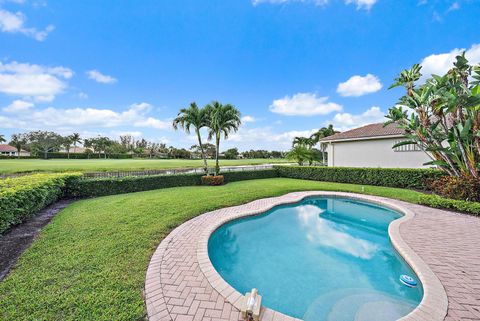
<point>111,186</point>
<point>441,202</point>
<point>390,177</point>
<point>24,196</point>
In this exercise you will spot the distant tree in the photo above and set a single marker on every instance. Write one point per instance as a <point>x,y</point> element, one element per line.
<point>197,118</point>
<point>2,138</point>
<point>231,153</point>
<point>67,143</point>
<point>76,139</point>
<point>99,144</point>
<point>18,141</point>
<point>223,119</point>
<point>44,141</point>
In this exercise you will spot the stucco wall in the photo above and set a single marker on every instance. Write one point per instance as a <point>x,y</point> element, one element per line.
<point>373,153</point>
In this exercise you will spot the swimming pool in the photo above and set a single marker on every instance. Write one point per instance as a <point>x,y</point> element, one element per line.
<point>323,258</point>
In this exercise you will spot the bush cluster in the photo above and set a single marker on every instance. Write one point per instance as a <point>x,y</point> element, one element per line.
<point>21,197</point>
<point>390,177</point>
<point>465,188</point>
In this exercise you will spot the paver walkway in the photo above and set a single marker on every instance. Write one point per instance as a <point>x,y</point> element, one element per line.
<point>177,289</point>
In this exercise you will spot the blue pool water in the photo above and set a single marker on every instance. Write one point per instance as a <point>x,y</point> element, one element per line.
<point>320,259</point>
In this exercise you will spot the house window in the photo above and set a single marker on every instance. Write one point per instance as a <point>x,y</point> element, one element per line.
<point>406,148</point>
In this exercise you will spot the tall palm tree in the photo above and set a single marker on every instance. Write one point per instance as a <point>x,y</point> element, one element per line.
<point>2,138</point>
<point>75,138</point>
<point>197,118</point>
<point>223,119</point>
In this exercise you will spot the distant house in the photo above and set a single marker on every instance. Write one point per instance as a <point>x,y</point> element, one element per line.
<point>7,150</point>
<point>74,150</point>
<point>371,146</point>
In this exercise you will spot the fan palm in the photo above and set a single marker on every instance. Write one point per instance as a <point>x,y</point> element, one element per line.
<point>197,118</point>
<point>223,119</point>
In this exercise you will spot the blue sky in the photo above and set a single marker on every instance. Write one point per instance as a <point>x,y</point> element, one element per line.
<point>290,66</point>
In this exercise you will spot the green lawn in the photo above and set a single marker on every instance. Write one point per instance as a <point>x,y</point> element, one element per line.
<point>63,165</point>
<point>90,262</point>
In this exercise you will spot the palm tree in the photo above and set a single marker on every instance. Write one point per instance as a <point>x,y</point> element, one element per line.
<point>67,143</point>
<point>322,133</point>
<point>75,138</point>
<point>223,119</point>
<point>2,138</point>
<point>197,118</point>
<point>305,141</point>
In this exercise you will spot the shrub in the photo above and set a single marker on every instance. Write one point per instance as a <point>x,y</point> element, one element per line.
<point>441,202</point>
<point>246,175</point>
<point>464,188</point>
<point>212,180</point>
<point>21,197</point>
<point>87,156</point>
<point>390,177</point>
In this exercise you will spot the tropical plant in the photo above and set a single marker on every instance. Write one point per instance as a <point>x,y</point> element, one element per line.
<point>303,153</point>
<point>76,139</point>
<point>222,119</point>
<point>442,116</point>
<point>18,141</point>
<point>2,138</point>
<point>195,117</point>
<point>322,133</point>
<point>305,141</point>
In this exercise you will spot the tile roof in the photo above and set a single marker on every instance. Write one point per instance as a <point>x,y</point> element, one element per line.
<point>368,131</point>
<point>7,148</point>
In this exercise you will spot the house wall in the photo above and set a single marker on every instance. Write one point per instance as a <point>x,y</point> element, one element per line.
<point>373,153</point>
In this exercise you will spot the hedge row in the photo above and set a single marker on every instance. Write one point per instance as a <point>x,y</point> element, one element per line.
<point>390,177</point>
<point>112,186</point>
<point>23,196</point>
<point>441,202</point>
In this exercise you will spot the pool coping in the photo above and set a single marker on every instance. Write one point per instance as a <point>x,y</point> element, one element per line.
<point>434,304</point>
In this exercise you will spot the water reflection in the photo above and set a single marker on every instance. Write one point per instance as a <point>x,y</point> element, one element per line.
<point>322,232</point>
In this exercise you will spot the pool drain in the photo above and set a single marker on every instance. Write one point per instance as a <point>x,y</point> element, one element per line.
<point>408,281</point>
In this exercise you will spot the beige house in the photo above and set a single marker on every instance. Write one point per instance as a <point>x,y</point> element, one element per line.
<point>371,146</point>
<point>7,150</point>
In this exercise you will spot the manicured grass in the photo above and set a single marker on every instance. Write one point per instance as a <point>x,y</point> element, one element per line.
<point>62,165</point>
<point>90,262</point>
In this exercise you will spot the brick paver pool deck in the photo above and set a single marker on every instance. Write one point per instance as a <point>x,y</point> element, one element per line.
<point>442,247</point>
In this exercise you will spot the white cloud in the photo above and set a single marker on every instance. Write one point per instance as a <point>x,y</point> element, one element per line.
<point>40,83</point>
<point>362,4</point>
<point>18,106</point>
<point>304,104</point>
<point>359,85</point>
<point>439,64</point>
<point>14,22</point>
<point>82,118</point>
<point>264,138</point>
<point>101,78</point>
<point>315,2</point>
<point>455,6</point>
<point>345,121</point>
<point>248,119</point>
